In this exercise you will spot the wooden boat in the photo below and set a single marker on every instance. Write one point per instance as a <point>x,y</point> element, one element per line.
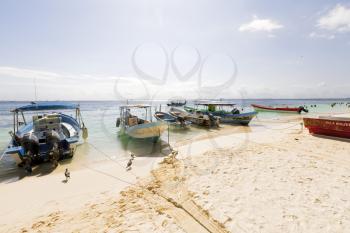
<point>48,137</point>
<point>139,128</point>
<point>175,122</point>
<point>330,126</point>
<point>177,103</point>
<point>261,108</point>
<point>196,117</point>
<point>226,111</point>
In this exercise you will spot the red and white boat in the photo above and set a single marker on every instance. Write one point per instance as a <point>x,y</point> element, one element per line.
<point>329,126</point>
<point>261,108</point>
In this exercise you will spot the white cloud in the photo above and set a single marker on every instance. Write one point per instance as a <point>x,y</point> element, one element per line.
<point>321,84</point>
<point>337,19</point>
<point>32,74</point>
<point>257,24</point>
<point>67,86</point>
<point>321,35</point>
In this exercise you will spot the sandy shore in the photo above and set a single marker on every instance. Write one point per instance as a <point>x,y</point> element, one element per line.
<point>271,178</point>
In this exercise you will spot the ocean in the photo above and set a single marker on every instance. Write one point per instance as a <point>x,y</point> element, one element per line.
<point>103,142</point>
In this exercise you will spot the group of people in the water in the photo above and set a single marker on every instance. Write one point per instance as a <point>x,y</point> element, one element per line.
<point>340,103</point>
<point>332,105</point>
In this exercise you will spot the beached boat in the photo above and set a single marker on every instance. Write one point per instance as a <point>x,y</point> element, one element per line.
<point>261,108</point>
<point>139,128</point>
<point>196,117</point>
<point>330,126</point>
<point>48,137</point>
<point>177,103</point>
<point>175,122</point>
<point>227,112</point>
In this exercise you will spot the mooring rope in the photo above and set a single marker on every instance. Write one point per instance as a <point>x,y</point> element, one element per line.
<point>109,157</point>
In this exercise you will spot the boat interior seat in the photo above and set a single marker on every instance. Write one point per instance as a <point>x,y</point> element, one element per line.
<point>132,121</point>
<point>65,131</point>
<point>42,124</point>
<point>142,121</point>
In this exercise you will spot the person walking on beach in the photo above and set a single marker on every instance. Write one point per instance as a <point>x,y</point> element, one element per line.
<point>67,175</point>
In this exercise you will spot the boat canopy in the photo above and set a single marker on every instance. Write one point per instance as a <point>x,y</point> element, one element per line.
<point>41,106</point>
<point>208,103</point>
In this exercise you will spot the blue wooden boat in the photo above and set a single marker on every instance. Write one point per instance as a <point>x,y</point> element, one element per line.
<point>139,128</point>
<point>173,121</point>
<point>227,112</point>
<point>49,136</point>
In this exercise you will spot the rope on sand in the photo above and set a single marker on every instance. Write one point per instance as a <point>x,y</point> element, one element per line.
<point>109,175</point>
<point>279,122</point>
<point>109,157</point>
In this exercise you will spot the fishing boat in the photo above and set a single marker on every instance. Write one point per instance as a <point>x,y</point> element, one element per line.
<point>49,136</point>
<point>175,122</point>
<point>196,117</point>
<point>261,108</point>
<point>328,125</point>
<point>177,103</point>
<point>137,127</point>
<point>227,112</point>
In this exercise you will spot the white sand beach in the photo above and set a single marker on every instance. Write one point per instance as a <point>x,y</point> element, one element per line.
<point>274,178</point>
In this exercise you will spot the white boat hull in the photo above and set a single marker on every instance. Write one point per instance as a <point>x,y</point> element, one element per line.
<point>147,130</point>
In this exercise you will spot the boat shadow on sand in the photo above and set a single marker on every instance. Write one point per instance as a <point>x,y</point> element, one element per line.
<point>331,138</point>
<point>16,173</point>
<point>145,147</point>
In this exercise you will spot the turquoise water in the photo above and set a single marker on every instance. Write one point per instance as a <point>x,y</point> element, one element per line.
<point>103,142</point>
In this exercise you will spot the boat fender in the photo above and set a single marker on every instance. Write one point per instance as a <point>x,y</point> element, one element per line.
<point>30,143</point>
<point>85,133</point>
<point>117,122</point>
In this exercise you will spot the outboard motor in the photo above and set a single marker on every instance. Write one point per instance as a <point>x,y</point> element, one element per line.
<point>117,124</point>
<point>213,120</point>
<point>302,109</point>
<point>53,140</point>
<point>30,144</point>
<point>181,120</point>
<point>235,111</point>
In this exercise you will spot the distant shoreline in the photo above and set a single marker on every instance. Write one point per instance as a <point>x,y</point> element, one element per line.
<point>160,100</point>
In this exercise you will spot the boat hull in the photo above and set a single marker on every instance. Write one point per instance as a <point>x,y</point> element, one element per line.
<point>147,130</point>
<point>260,108</point>
<point>228,117</point>
<point>237,119</point>
<point>328,126</point>
<point>67,144</point>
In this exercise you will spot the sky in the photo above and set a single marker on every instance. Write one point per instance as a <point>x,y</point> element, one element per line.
<point>111,49</point>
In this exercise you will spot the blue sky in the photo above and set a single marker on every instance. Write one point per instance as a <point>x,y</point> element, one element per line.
<point>85,49</point>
